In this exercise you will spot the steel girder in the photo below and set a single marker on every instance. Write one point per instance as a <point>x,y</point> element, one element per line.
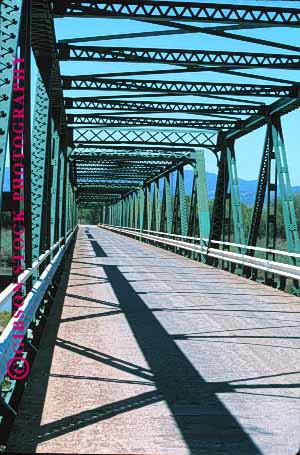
<point>147,137</point>
<point>289,215</point>
<point>97,121</point>
<point>10,20</point>
<point>130,153</point>
<point>39,151</point>
<point>177,87</point>
<point>44,50</point>
<point>179,57</point>
<point>180,221</point>
<point>200,188</point>
<point>55,154</point>
<point>116,174</point>
<point>96,103</point>
<point>167,209</point>
<point>183,11</point>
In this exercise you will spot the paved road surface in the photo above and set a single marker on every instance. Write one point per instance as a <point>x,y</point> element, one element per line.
<point>150,353</point>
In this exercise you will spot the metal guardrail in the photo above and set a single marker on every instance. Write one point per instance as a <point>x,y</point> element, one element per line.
<point>32,300</point>
<point>279,268</point>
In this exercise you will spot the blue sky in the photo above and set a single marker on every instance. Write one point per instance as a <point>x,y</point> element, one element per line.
<point>248,148</point>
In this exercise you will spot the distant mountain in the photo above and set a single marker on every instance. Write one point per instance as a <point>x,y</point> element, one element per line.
<point>247,187</point>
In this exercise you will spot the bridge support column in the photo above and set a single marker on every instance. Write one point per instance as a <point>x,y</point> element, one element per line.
<point>202,195</point>
<point>156,207</point>
<point>39,151</point>
<point>238,224</point>
<point>136,210</point>
<point>141,204</point>
<point>54,185</point>
<point>199,209</point>
<point>130,199</point>
<point>61,193</point>
<point>10,22</point>
<point>266,190</point>
<point>227,202</point>
<point>119,211</point>
<point>180,225</point>
<point>286,194</point>
<point>166,208</point>
<point>148,206</point>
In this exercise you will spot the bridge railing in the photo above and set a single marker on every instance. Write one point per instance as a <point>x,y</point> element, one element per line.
<point>9,342</point>
<point>240,254</point>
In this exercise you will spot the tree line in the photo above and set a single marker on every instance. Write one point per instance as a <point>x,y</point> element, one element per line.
<point>91,216</point>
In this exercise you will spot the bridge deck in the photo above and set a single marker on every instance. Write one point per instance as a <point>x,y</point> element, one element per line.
<point>147,352</point>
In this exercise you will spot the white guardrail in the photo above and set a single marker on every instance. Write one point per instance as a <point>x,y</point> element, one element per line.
<point>279,268</point>
<point>32,300</point>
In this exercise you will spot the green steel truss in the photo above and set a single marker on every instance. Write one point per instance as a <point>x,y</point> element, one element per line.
<point>10,20</point>
<point>49,197</point>
<point>130,141</point>
<point>183,11</point>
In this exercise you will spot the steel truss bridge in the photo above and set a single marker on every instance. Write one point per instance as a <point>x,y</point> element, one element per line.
<point>111,121</point>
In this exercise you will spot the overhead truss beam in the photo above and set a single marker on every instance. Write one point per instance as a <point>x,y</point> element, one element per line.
<point>151,106</point>
<point>189,138</point>
<point>129,153</point>
<point>177,87</point>
<point>94,120</point>
<point>183,11</point>
<point>185,57</point>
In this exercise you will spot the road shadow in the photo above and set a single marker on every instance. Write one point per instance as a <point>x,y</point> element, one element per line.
<point>205,423</point>
<point>28,420</point>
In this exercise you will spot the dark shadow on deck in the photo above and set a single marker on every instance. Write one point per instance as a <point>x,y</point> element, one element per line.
<point>99,252</point>
<point>24,437</point>
<point>205,424</point>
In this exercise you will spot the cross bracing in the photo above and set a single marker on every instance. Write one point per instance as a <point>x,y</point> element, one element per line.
<point>146,137</point>
<point>129,153</point>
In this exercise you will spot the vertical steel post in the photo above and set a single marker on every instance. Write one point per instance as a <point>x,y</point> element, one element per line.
<point>272,198</point>
<point>202,194</point>
<point>238,225</point>
<point>25,47</point>
<point>286,194</point>
<point>10,21</point>
<point>148,213</point>
<point>136,210</point>
<point>61,193</point>
<point>180,207</point>
<point>131,209</point>
<point>39,149</point>
<point>141,202</point>
<point>168,202</point>
<point>156,207</point>
<point>166,206</point>
<point>54,186</point>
